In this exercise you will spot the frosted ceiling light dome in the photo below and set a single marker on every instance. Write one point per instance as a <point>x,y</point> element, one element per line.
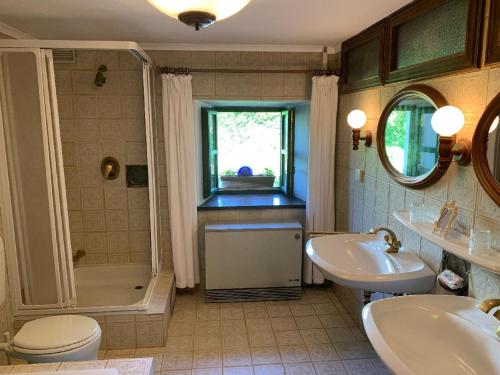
<point>199,13</point>
<point>356,119</point>
<point>447,121</point>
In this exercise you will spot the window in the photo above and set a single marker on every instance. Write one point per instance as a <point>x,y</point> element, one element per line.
<point>247,149</point>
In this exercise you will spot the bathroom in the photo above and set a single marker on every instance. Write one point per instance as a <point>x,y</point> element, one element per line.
<point>159,239</point>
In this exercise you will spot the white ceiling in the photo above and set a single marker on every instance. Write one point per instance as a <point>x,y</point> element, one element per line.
<point>291,22</point>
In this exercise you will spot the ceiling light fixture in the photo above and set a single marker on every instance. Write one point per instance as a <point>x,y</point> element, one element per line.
<point>199,13</point>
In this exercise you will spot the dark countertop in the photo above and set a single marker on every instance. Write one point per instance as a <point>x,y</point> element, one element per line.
<point>231,201</point>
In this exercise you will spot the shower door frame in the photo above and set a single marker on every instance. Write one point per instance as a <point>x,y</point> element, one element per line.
<point>56,190</point>
<point>65,283</point>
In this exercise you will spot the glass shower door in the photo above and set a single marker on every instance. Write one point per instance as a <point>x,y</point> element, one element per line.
<point>34,204</point>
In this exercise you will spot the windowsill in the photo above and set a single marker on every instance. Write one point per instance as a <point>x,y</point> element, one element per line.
<point>249,201</point>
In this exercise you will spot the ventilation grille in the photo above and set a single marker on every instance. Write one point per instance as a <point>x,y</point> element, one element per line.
<point>257,294</point>
<point>64,56</point>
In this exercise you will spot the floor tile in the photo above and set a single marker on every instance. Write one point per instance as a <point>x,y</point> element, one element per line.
<point>207,371</point>
<point>239,357</point>
<point>307,322</point>
<point>354,350</point>
<point>295,353</point>
<point>302,310</point>
<point>235,342</point>
<point>359,367</point>
<point>279,311</point>
<point>259,339</point>
<point>283,324</point>
<point>315,336</point>
<point>341,335</point>
<point>232,313</point>
<point>179,343</point>
<point>233,327</point>
<point>269,370</point>
<point>177,361</point>
<point>255,312</point>
<point>240,370</point>
<point>300,369</point>
<point>332,321</point>
<point>330,368</point>
<point>322,352</point>
<point>289,338</point>
<point>207,359</point>
<point>207,328</point>
<point>202,343</point>
<point>265,355</point>
<point>258,325</point>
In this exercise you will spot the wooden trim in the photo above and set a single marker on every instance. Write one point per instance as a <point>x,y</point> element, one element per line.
<point>468,60</point>
<point>480,162</point>
<point>493,42</point>
<point>440,168</point>
<point>375,31</point>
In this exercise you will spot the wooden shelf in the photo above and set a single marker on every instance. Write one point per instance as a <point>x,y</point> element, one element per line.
<point>455,243</point>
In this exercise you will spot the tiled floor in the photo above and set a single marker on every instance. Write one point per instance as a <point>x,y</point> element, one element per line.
<point>310,336</point>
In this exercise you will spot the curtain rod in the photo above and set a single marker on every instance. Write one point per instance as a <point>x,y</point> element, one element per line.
<point>181,70</point>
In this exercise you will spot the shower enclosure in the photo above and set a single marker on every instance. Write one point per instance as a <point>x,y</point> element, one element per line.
<point>34,204</point>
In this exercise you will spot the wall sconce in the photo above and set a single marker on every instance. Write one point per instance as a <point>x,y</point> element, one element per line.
<point>447,121</point>
<point>356,120</point>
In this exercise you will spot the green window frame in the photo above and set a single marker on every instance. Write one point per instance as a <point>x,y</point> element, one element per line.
<point>210,149</point>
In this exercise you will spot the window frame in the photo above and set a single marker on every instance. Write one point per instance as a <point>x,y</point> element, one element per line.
<point>286,182</point>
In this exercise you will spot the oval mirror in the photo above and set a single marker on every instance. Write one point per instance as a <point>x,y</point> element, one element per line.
<point>486,150</point>
<point>406,143</point>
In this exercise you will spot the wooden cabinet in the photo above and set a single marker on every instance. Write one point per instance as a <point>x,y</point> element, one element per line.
<point>423,39</point>
<point>493,42</point>
<point>362,56</point>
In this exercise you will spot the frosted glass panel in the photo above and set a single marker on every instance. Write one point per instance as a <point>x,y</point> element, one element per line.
<point>28,177</point>
<point>363,61</point>
<point>438,33</point>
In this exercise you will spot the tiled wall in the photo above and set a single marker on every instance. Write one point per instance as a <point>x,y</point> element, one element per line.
<point>372,202</point>
<point>107,219</point>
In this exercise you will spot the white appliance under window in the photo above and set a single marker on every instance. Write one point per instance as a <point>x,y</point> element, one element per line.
<point>257,261</point>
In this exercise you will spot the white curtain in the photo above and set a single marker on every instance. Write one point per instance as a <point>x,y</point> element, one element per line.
<point>178,124</point>
<point>320,210</point>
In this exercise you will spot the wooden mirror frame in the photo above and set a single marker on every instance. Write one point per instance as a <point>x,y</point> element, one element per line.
<point>433,96</point>
<point>479,160</point>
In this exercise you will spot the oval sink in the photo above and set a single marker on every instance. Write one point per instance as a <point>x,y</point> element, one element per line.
<point>359,261</point>
<point>433,334</point>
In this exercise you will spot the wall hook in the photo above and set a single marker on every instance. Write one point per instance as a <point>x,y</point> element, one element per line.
<point>100,80</point>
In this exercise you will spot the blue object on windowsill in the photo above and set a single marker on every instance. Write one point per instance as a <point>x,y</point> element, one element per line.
<point>245,171</point>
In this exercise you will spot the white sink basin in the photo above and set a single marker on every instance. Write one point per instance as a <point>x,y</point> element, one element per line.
<point>433,334</point>
<point>359,261</point>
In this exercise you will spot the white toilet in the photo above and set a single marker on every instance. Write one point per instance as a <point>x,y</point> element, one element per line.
<point>58,338</point>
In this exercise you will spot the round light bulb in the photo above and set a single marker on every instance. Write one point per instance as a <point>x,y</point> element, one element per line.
<point>447,121</point>
<point>220,8</point>
<point>494,124</point>
<point>356,119</point>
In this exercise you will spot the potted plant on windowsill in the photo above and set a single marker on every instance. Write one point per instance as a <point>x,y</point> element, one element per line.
<point>245,179</point>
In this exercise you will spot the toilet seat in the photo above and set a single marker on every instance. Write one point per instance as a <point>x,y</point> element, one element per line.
<point>56,334</point>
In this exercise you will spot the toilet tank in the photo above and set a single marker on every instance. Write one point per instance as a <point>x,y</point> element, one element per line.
<point>253,261</point>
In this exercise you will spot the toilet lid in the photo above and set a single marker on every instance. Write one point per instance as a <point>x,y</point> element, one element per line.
<point>56,332</point>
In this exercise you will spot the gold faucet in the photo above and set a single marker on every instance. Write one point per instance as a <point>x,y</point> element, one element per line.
<point>489,304</point>
<point>78,255</point>
<point>390,238</point>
